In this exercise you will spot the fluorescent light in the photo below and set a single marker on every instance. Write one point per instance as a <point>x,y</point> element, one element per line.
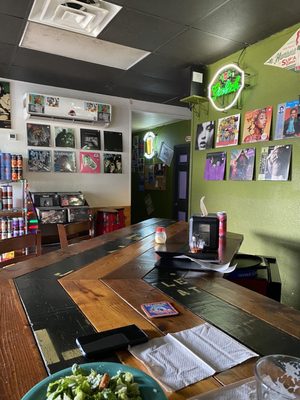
<point>80,47</point>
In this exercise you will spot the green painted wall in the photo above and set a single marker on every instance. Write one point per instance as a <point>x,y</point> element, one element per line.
<point>267,213</point>
<point>172,135</point>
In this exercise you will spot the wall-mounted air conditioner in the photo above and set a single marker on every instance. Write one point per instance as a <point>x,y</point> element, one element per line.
<point>38,105</point>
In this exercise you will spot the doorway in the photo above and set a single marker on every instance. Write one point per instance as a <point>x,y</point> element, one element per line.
<point>181,184</point>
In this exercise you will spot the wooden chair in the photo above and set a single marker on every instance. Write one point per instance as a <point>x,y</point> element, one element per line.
<point>74,232</point>
<point>25,246</point>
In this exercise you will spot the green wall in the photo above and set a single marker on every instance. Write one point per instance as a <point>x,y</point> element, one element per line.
<point>266,213</point>
<point>172,135</point>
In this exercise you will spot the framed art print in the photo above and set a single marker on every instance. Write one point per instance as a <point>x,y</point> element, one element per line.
<point>165,154</point>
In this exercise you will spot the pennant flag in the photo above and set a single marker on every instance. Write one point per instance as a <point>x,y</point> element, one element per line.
<point>288,56</point>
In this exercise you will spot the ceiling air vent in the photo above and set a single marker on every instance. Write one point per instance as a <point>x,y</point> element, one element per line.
<point>88,17</point>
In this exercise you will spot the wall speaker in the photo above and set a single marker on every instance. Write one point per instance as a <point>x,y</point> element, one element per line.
<point>195,82</point>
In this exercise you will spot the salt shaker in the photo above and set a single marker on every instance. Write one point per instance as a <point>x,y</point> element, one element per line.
<point>160,235</point>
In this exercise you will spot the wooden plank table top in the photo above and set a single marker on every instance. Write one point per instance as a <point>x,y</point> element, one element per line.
<point>109,292</point>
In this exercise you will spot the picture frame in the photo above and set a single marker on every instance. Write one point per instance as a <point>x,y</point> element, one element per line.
<point>165,154</point>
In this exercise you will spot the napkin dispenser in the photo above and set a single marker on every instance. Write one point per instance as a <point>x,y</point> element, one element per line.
<point>204,228</point>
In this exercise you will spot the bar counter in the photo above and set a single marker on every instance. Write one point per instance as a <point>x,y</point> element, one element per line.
<point>101,283</point>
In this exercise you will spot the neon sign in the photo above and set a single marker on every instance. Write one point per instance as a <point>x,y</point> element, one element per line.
<point>149,145</point>
<point>226,87</point>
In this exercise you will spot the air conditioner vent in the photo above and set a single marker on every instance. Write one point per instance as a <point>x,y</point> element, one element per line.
<point>88,17</point>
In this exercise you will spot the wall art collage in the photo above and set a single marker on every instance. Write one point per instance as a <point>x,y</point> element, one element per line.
<point>65,157</point>
<point>274,163</point>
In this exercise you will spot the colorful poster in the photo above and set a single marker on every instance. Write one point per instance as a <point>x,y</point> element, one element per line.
<point>39,160</point>
<point>288,56</point>
<point>5,119</point>
<point>215,166</point>
<point>228,131</point>
<point>64,161</point>
<point>274,163</point>
<point>257,125</point>
<point>112,163</point>
<point>89,162</point>
<point>36,103</point>
<point>38,135</point>
<point>205,135</point>
<point>288,120</point>
<point>242,164</point>
<point>64,137</point>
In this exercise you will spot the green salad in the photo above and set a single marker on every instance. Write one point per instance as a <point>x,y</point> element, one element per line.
<point>94,386</point>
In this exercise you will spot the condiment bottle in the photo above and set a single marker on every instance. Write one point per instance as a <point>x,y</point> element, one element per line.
<point>160,235</point>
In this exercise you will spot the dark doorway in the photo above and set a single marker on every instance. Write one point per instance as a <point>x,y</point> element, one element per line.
<point>181,185</point>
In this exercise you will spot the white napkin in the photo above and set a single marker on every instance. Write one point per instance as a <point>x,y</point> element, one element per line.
<point>180,359</point>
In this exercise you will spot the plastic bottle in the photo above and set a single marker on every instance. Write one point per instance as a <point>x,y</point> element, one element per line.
<point>160,235</point>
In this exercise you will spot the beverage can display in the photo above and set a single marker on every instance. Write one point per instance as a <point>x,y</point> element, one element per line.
<point>222,216</point>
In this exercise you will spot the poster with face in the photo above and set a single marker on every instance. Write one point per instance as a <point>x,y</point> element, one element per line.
<point>39,160</point>
<point>5,120</point>
<point>242,164</point>
<point>205,135</point>
<point>38,135</point>
<point>288,120</point>
<point>274,163</point>
<point>215,166</point>
<point>112,163</point>
<point>64,161</point>
<point>257,125</point>
<point>228,131</point>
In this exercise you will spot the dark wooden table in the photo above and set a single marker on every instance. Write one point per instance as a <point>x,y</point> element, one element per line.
<point>108,278</point>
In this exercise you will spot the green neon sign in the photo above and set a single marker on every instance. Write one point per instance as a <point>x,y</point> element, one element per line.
<point>229,79</point>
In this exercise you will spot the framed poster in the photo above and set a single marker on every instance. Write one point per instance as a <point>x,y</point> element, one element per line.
<point>89,162</point>
<point>288,120</point>
<point>242,164</point>
<point>64,137</point>
<point>215,166</point>
<point>113,141</point>
<point>228,131</point>
<point>165,154</point>
<point>64,161</point>
<point>205,135</point>
<point>257,125</point>
<point>5,118</point>
<point>90,139</point>
<point>38,135</point>
<point>274,163</point>
<point>112,163</point>
<point>39,160</point>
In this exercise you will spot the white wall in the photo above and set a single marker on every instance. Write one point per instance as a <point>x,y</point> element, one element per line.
<point>99,189</point>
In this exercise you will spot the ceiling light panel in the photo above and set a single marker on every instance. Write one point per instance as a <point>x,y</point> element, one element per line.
<point>80,47</point>
<point>73,15</point>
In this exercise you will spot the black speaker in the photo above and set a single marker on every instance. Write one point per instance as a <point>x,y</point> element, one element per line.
<point>194,78</point>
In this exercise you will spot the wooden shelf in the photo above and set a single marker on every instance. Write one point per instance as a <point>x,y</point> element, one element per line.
<point>194,99</point>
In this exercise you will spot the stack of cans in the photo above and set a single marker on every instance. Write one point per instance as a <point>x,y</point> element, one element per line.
<point>11,227</point>
<point>11,167</point>
<point>6,197</point>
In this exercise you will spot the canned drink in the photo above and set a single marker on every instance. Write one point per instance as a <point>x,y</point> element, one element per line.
<point>4,192</point>
<point>21,232</point>
<point>21,222</point>
<point>9,191</point>
<point>222,223</point>
<point>19,173</point>
<point>14,174</point>
<point>9,235</point>
<point>15,233</point>
<point>4,204</point>
<point>3,235</point>
<point>3,224</point>
<point>9,203</point>
<point>15,223</point>
<point>13,160</point>
<point>19,161</point>
<point>9,225</point>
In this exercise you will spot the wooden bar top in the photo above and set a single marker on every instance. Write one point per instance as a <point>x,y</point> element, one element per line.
<point>109,291</point>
